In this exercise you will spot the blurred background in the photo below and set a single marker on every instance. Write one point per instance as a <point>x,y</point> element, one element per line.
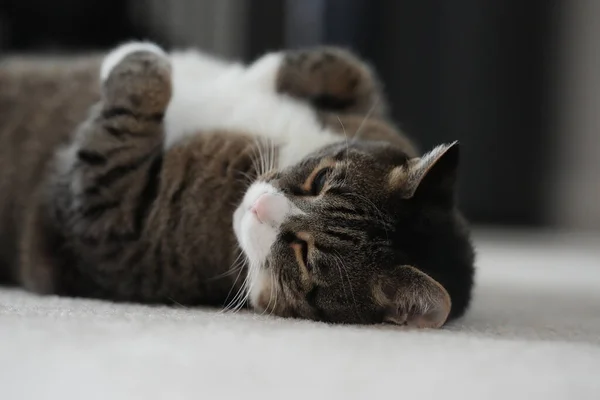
<point>517,82</point>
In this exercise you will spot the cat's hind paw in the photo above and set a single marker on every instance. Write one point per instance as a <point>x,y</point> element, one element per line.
<point>332,79</point>
<point>137,76</point>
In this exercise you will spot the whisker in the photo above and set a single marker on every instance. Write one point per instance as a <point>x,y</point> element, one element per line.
<point>347,150</point>
<point>227,273</point>
<point>349,282</point>
<point>266,309</point>
<point>235,267</point>
<point>272,157</point>
<point>261,155</point>
<point>367,116</point>
<point>244,292</point>
<point>265,155</point>
<point>255,154</point>
<point>177,303</point>
<point>248,179</point>
<point>276,294</point>
<point>337,264</point>
<point>236,303</point>
<point>228,306</point>
<point>257,160</point>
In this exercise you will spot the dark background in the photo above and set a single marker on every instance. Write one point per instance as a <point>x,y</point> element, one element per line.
<point>477,71</point>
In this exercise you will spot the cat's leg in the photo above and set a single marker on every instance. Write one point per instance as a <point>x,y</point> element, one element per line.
<point>119,148</point>
<point>107,179</point>
<point>344,90</point>
<point>332,80</point>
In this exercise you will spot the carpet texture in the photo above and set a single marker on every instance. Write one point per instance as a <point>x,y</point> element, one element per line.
<point>533,332</point>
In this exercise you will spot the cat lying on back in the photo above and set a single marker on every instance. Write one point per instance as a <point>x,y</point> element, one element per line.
<point>144,186</point>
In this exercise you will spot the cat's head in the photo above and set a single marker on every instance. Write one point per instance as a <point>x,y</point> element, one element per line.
<point>358,233</point>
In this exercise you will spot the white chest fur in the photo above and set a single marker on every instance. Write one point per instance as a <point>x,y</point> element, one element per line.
<point>209,95</point>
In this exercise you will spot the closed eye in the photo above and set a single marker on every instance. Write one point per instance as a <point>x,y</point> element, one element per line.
<point>319,181</point>
<point>301,251</point>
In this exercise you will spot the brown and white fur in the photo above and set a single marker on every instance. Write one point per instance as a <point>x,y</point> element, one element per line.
<point>142,186</point>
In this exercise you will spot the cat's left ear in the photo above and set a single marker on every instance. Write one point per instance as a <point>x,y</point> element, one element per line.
<point>436,170</point>
<point>411,297</point>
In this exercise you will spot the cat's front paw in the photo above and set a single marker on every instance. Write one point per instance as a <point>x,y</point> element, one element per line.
<point>137,76</point>
<point>331,78</point>
<point>117,55</point>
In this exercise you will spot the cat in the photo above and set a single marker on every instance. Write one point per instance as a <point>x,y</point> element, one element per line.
<point>146,176</point>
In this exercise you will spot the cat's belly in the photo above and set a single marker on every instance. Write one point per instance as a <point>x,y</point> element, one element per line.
<point>211,171</point>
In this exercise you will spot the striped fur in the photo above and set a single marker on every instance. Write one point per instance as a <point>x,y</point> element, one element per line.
<point>111,206</point>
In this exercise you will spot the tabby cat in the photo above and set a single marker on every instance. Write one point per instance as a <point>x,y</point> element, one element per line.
<point>182,178</point>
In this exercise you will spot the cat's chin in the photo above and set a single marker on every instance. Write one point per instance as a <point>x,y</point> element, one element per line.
<point>260,289</point>
<point>255,238</point>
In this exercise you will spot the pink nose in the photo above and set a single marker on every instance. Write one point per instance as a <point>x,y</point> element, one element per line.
<point>260,208</point>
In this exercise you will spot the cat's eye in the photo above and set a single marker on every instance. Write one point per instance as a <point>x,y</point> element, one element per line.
<point>301,249</point>
<point>319,181</point>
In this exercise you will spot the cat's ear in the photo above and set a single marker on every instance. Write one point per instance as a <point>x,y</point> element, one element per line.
<point>411,297</point>
<point>435,170</point>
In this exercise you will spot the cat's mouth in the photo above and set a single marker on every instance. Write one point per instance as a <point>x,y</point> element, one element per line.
<point>257,220</point>
<point>267,297</point>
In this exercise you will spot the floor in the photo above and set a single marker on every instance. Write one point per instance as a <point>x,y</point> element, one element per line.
<point>533,332</point>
